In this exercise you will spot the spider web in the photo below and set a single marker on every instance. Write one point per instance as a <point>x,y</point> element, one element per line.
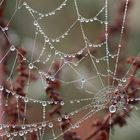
<point>94,88</point>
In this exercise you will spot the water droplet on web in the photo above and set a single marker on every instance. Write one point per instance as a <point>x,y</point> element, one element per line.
<point>1,126</point>
<point>120,46</point>
<point>82,20</point>
<point>57,40</point>
<point>38,60</point>
<point>71,102</point>
<point>40,127</point>
<point>59,119</point>
<point>47,40</point>
<point>15,134</point>
<point>44,124</point>
<point>35,23</point>
<point>6,104</point>
<point>62,36</point>
<point>24,58</point>
<point>52,79</point>
<point>112,109</point>
<point>53,13</point>
<point>50,125</point>
<point>44,103</point>
<point>124,80</point>
<point>91,20</point>
<point>51,47</point>
<point>8,135</point>
<point>31,66</point>
<point>95,18</point>
<point>83,80</point>
<point>6,28</point>
<point>24,3</point>
<point>77,125</point>
<point>66,117</point>
<point>78,101</point>
<point>66,33</point>
<point>90,45</point>
<point>86,20</point>
<point>27,7</point>
<point>1,88</point>
<point>97,61</point>
<point>23,127</point>
<point>62,103</point>
<point>12,48</point>
<point>26,100</point>
<point>106,22</point>
<point>21,133</point>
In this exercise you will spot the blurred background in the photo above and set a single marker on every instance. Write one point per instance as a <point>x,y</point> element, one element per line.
<point>22,33</point>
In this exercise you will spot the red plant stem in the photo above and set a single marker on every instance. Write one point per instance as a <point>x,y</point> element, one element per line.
<point>52,92</point>
<point>2,8</point>
<point>98,129</point>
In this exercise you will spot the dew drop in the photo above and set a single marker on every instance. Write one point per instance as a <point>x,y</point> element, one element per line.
<point>44,103</point>
<point>71,102</point>
<point>47,40</point>
<point>62,103</point>
<point>24,3</point>
<point>31,66</point>
<point>51,47</point>
<point>15,134</point>
<point>87,20</point>
<point>21,133</point>
<point>97,61</point>
<point>83,80</point>
<point>40,127</point>
<point>66,33</point>
<point>1,126</point>
<point>6,104</point>
<point>82,20</point>
<point>24,58</point>
<point>90,45</point>
<point>59,119</point>
<point>95,18</point>
<point>27,7</point>
<point>50,125</point>
<point>6,28</point>
<point>112,109</point>
<point>124,80</point>
<point>26,100</point>
<point>1,88</point>
<point>35,23</point>
<point>77,125</point>
<point>8,135</point>
<point>57,40</point>
<point>12,48</point>
<point>66,117</point>
<point>23,127</point>
<point>44,124</point>
<point>91,20</point>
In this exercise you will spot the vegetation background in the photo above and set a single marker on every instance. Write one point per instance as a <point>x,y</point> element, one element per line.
<point>22,33</point>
